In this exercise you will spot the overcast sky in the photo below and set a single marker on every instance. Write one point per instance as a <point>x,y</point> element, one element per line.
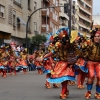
<point>96,7</point>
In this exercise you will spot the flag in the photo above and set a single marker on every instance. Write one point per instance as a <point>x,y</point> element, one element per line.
<point>74,35</point>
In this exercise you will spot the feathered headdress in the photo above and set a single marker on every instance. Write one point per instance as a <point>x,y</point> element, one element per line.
<point>49,37</point>
<point>63,32</point>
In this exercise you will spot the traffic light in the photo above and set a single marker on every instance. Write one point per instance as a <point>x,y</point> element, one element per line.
<point>66,8</point>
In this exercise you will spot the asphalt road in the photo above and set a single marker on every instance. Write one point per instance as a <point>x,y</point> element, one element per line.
<point>32,87</point>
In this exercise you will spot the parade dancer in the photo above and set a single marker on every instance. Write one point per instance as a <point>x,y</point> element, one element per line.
<point>38,63</point>
<point>80,65</point>
<point>47,71</point>
<point>47,61</point>
<point>3,60</point>
<point>23,61</point>
<point>12,63</point>
<point>61,73</point>
<point>93,65</point>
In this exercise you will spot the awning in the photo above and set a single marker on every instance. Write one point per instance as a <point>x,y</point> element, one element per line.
<point>22,21</point>
<point>4,35</point>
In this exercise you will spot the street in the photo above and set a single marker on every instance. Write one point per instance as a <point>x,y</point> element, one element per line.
<point>32,87</point>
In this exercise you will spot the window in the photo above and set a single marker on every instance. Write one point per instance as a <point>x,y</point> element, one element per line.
<point>14,20</point>
<point>19,1</point>
<point>18,22</point>
<point>2,10</point>
<point>35,5</point>
<point>35,26</point>
<point>29,8</point>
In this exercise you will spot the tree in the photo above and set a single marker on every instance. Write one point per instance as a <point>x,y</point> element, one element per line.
<point>38,39</point>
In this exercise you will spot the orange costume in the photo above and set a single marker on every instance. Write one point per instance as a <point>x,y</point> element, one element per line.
<point>23,61</point>
<point>93,65</point>
<point>80,65</point>
<point>61,73</point>
<point>4,61</point>
<point>38,63</point>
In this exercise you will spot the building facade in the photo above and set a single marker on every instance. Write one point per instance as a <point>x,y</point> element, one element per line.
<point>15,13</point>
<point>13,18</point>
<point>83,15</point>
<point>50,17</point>
<point>6,28</point>
<point>63,16</point>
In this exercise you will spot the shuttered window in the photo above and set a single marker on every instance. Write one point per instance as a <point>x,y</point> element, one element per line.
<point>2,11</point>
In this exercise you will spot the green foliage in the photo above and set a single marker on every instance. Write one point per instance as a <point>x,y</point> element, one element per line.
<point>38,39</point>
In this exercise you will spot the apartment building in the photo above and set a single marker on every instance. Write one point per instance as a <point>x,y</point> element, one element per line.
<point>6,28</point>
<point>62,15</point>
<point>50,17</point>
<point>13,18</point>
<point>83,15</point>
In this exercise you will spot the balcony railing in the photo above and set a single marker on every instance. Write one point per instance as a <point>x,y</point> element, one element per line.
<point>85,16</point>
<point>84,9</point>
<point>89,2</point>
<point>84,25</point>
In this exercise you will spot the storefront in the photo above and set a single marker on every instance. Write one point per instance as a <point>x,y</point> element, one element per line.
<point>3,36</point>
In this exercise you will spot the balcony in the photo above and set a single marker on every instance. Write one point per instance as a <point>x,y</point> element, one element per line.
<point>84,25</point>
<point>82,8</point>
<point>85,17</point>
<point>45,12</point>
<point>45,28</point>
<point>64,15</point>
<point>89,2</point>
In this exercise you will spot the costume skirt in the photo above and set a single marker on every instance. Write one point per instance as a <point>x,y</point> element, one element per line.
<point>61,73</point>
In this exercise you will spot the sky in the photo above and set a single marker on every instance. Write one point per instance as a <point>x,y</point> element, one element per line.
<point>96,7</point>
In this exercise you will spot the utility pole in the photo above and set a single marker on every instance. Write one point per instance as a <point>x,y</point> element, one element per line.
<point>70,16</point>
<point>68,10</point>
